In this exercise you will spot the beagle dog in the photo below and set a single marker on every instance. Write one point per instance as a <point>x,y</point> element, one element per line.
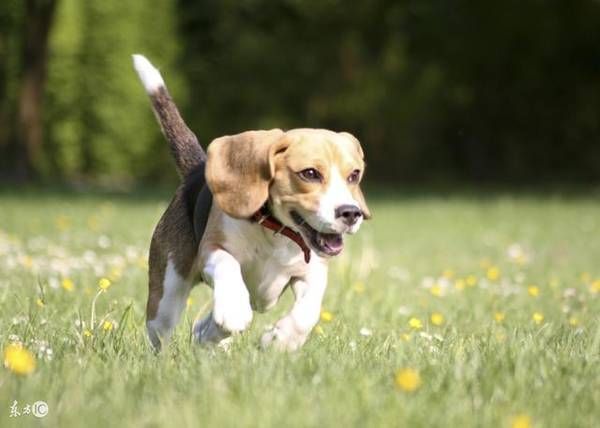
<point>259,211</point>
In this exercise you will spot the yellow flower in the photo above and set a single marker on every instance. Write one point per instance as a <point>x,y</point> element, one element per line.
<point>93,223</point>
<point>40,303</point>
<point>87,333</point>
<point>493,273</point>
<point>436,290</point>
<point>437,318</point>
<point>415,323</point>
<point>459,284</point>
<point>499,316</point>
<point>533,291</point>
<point>554,282</point>
<point>448,274</point>
<point>408,380</point>
<point>326,316</point>
<point>27,262</point>
<point>319,330</point>
<point>107,325</point>
<point>574,321</point>
<point>142,263</point>
<point>471,280</point>
<point>104,283</point>
<point>521,259</point>
<point>537,317</point>
<point>189,302</point>
<point>595,286</point>
<point>19,360</point>
<point>521,421</point>
<point>67,284</point>
<point>62,223</point>
<point>359,288</point>
<point>115,273</point>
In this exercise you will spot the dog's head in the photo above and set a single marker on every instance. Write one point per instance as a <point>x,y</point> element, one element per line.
<point>310,178</point>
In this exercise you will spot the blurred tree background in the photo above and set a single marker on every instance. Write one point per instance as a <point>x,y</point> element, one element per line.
<point>461,91</point>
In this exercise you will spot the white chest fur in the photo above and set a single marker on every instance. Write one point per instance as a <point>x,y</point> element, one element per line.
<point>268,261</point>
<point>248,270</point>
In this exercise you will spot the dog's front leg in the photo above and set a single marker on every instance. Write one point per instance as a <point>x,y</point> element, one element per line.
<point>290,332</point>
<point>231,311</point>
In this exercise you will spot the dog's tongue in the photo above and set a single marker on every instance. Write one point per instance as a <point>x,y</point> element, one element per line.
<point>333,241</point>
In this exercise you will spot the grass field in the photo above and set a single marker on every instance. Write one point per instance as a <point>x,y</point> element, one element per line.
<point>445,311</point>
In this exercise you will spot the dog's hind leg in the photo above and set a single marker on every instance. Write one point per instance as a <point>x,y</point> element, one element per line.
<point>169,305</point>
<point>171,277</point>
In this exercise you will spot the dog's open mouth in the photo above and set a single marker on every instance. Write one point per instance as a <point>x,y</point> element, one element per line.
<point>330,244</point>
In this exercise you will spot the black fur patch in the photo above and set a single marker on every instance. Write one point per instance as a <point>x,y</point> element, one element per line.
<point>198,200</point>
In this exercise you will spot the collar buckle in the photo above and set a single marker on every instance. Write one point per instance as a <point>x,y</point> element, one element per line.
<point>262,218</point>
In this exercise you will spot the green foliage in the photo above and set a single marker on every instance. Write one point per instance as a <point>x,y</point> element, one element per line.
<point>99,121</point>
<point>475,371</point>
<point>497,90</point>
<point>10,16</point>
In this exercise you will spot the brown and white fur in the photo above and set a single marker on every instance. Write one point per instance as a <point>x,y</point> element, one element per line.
<point>308,178</point>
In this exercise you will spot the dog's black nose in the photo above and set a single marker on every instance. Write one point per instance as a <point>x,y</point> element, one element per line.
<point>348,213</point>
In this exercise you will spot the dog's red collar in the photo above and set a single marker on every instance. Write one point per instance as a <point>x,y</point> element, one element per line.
<point>265,219</point>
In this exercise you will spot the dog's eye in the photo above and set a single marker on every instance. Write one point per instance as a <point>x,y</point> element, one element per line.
<point>354,176</point>
<point>310,174</point>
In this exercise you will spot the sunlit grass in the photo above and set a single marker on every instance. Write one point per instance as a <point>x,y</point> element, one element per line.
<point>443,311</point>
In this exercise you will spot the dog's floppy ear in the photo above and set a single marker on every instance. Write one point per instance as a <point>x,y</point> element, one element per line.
<point>240,168</point>
<point>356,192</point>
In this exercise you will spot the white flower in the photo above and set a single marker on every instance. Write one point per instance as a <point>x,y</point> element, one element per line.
<point>404,310</point>
<point>425,335</point>
<point>53,282</point>
<point>20,319</point>
<point>104,242</point>
<point>398,273</point>
<point>364,331</point>
<point>13,338</point>
<point>427,282</point>
<point>90,257</point>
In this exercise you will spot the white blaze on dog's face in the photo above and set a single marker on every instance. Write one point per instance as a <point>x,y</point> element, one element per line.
<point>316,187</point>
<point>338,211</point>
<point>310,177</point>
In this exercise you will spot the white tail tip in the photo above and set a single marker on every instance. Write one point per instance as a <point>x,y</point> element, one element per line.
<point>149,75</point>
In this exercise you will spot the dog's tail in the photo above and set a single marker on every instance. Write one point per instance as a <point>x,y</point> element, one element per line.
<point>188,153</point>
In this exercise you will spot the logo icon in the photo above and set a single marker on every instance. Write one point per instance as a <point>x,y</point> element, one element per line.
<point>39,409</point>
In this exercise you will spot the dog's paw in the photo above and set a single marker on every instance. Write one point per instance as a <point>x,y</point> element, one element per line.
<point>206,331</point>
<point>284,336</point>
<point>233,315</point>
